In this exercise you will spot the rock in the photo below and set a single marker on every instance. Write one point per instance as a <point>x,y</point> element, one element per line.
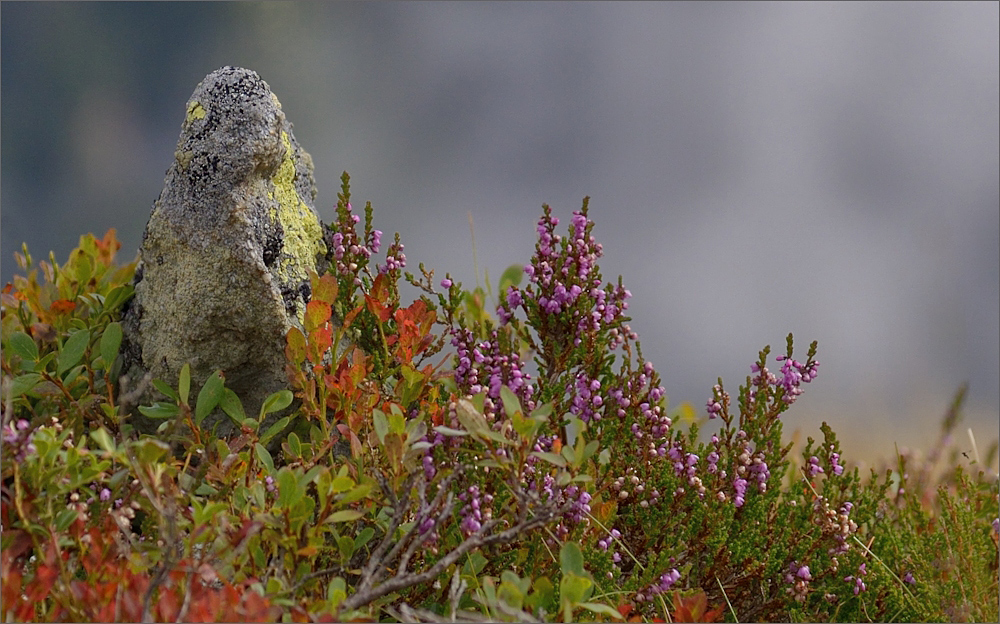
<point>224,261</point>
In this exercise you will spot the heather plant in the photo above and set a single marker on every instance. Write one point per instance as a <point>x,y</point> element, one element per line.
<point>445,458</point>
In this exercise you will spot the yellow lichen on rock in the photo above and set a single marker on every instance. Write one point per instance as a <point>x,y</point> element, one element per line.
<point>195,111</point>
<point>303,235</point>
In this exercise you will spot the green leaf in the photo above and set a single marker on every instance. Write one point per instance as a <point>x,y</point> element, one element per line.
<point>590,449</point>
<point>601,608</point>
<point>344,515</point>
<point>571,558</point>
<point>23,345</point>
<point>43,363</point>
<point>336,592</point>
<point>341,483</point>
<point>526,427</point>
<point>275,429</point>
<point>72,351</point>
<point>542,411</point>
<point>24,383</point>
<point>381,424</point>
<point>289,491</point>
<point>397,423</point>
<point>116,297</point>
<point>103,439</point>
<point>276,402</point>
<point>473,421</point>
<point>448,431</point>
<point>345,544</point>
<point>209,397</point>
<point>511,277</point>
<point>363,537</point>
<point>111,342</point>
<point>184,383</point>
<point>474,564</point>
<point>294,445</point>
<point>150,450</point>
<point>543,595</point>
<point>573,588</point>
<point>510,403</point>
<point>160,411</point>
<point>264,457</point>
<point>311,475</point>
<point>166,390</point>
<point>552,458</point>
<point>233,408</point>
<point>356,494</point>
<point>65,519</point>
<point>510,594</point>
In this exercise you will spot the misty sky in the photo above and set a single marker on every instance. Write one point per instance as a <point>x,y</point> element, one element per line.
<point>754,169</point>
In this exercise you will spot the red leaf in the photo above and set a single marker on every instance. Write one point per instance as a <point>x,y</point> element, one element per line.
<point>320,339</point>
<point>381,312</point>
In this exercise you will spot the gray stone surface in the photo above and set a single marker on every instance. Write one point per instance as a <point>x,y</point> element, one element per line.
<point>224,261</point>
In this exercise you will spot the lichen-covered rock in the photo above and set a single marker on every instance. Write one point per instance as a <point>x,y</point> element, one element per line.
<point>224,261</point>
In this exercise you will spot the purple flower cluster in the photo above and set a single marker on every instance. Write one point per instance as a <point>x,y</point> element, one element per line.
<point>651,424</point>
<point>835,464</point>
<point>606,542</point>
<point>17,437</point>
<point>564,278</point>
<point>750,467</point>
<point>665,582</point>
<point>350,253</point>
<point>488,366</point>
<point>793,374</point>
<point>587,400</point>
<point>835,523</point>
<point>798,577</point>
<point>577,497</point>
<point>395,259</point>
<point>476,510</point>
<point>859,584</point>
<point>720,399</point>
<point>813,468</point>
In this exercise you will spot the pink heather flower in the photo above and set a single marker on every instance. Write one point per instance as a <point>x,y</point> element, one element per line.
<point>446,283</point>
<point>908,578</point>
<point>814,468</point>
<point>105,494</point>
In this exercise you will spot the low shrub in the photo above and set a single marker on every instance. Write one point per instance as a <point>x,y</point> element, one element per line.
<point>447,460</point>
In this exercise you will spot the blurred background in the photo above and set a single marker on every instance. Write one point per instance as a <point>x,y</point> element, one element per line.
<point>754,169</point>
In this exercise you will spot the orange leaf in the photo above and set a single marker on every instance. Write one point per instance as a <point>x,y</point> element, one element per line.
<point>295,350</point>
<point>62,306</point>
<point>317,313</point>
<point>324,288</point>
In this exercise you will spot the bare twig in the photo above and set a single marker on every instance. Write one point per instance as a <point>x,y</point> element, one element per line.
<point>368,592</point>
